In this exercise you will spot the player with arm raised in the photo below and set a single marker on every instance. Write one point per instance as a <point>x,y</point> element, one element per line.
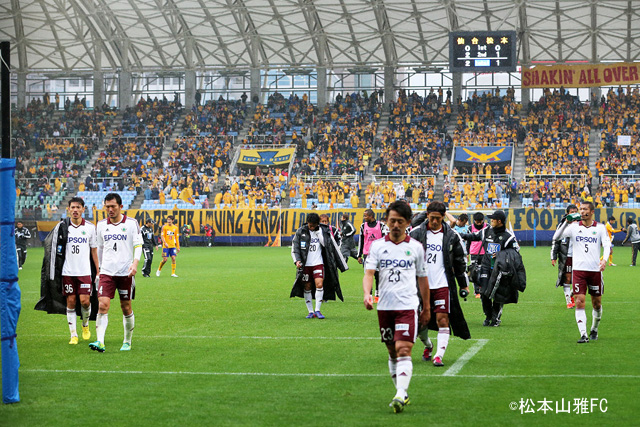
<point>170,245</point>
<point>76,270</point>
<point>588,236</point>
<point>400,262</point>
<point>119,251</point>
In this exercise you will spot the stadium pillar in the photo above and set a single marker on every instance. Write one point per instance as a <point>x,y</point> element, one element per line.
<point>595,94</point>
<point>389,83</point>
<point>189,88</point>
<point>124,90</point>
<point>321,87</point>
<point>98,88</point>
<point>525,98</point>
<point>22,89</point>
<point>457,88</point>
<point>255,84</point>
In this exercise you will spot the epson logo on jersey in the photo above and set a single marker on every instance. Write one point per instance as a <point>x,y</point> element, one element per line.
<point>402,263</point>
<point>85,286</point>
<point>586,239</point>
<point>492,248</point>
<point>432,247</point>
<point>77,240</point>
<point>115,237</point>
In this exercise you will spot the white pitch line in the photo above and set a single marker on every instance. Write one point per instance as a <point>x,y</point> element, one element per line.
<point>241,337</point>
<point>311,374</point>
<point>462,360</point>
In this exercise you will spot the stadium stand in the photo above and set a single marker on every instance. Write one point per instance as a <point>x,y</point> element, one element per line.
<point>149,118</point>
<point>215,118</point>
<point>554,191</point>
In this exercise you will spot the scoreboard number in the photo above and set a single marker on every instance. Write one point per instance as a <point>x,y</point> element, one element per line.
<point>482,51</point>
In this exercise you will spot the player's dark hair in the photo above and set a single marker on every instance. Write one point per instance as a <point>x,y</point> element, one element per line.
<point>463,217</point>
<point>113,196</point>
<point>313,218</point>
<point>76,200</point>
<point>630,221</point>
<point>171,218</point>
<point>402,208</point>
<point>368,212</point>
<point>345,217</point>
<point>611,218</point>
<point>478,216</point>
<point>571,206</point>
<point>587,202</point>
<point>436,206</point>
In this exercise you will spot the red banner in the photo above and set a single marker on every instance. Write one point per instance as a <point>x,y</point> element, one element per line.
<point>617,74</point>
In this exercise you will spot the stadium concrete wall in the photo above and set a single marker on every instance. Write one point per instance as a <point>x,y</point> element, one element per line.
<point>258,226</point>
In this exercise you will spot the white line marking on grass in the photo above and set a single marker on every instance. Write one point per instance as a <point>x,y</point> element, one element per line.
<point>311,374</point>
<point>241,337</point>
<point>462,360</point>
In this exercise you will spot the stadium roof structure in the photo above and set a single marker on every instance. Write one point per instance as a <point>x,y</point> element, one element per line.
<point>152,35</point>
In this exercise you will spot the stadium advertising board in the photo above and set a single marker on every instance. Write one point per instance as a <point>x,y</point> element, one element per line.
<point>251,225</point>
<point>266,157</point>
<point>592,75</point>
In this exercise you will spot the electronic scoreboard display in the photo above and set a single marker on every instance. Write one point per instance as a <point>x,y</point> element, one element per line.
<point>482,51</point>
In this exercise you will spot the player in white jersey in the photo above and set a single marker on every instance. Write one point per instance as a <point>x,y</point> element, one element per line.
<point>588,236</point>
<point>76,270</point>
<point>119,251</point>
<point>399,260</point>
<point>445,262</point>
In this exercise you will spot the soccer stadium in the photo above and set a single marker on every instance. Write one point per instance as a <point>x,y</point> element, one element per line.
<point>224,128</point>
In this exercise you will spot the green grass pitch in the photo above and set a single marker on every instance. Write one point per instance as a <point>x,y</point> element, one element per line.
<point>224,345</point>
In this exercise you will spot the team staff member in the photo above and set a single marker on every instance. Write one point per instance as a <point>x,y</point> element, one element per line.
<point>588,237</point>
<point>476,251</point>
<point>22,235</point>
<point>148,245</point>
<point>170,245</point>
<point>445,263</point>
<point>370,230</point>
<point>119,251</point>
<point>76,271</point>
<point>317,257</point>
<point>494,239</point>
<point>400,262</point>
<point>634,237</point>
<point>562,252</point>
<point>348,246</point>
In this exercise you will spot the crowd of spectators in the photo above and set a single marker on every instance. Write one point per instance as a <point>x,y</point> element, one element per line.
<point>554,191</point>
<point>618,192</point>
<point>619,115</point>
<point>416,138</point>
<point>252,191</point>
<point>343,139</point>
<point>344,191</point>
<point>476,193</point>
<point>150,117</point>
<point>220,117</point>
<point>33,122</point>
<point>123,156</point>
<point>558,135</point>
<point>416,190</point>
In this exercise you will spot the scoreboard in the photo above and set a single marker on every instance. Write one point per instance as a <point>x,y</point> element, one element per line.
<point>482,51</point>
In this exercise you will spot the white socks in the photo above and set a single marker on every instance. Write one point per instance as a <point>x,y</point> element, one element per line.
<point>581,320</point>
<point>319,297</point>
<point>128,322</point>
<point>71,320</point>
<point>596,316</point>
<point>86,314</point>
<point>443,342</point>
<point>392,369</point>
<point>102,321</point>
<point>307,300</point>
<point>404,370</point>
<point>567,293</point>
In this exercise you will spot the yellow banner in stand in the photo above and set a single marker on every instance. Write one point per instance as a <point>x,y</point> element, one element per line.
<point>267,222</point>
